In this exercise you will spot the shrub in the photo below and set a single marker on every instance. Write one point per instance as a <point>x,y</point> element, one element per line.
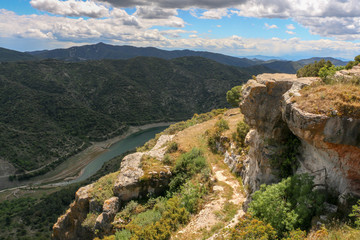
<point>252,228</point>
<point>103,188</point>
<point>186,166</point>
<point>128,211</point>
<point>242,130</point>
<point>326,72</point>
<point>90,221</point>
<point>296,235</point>
<point>287,205</point>
<point>123,235</point>
<point>356,213</point>
<point>222,125</point>
<point>312,69</point>
<point>172,147</point>
<point>146,218</point>
<point>234,95</point>
<point>173,217</point>
<point>214,136</point>
<point>191,195</point>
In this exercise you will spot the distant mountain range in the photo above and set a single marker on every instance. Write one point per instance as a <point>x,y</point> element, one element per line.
<point>7,55</point>
<point>102,51</point>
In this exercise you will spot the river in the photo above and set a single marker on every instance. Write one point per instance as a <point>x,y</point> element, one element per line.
<point>127,144</point>
<point>89,161</point>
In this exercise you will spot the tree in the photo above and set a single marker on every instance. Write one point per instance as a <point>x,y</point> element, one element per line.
<point>234,95</point>
<point>326,72</point>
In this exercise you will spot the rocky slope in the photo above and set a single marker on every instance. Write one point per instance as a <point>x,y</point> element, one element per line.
<point>127,184</point>
<point>326,147</point>
<point>329,146</point>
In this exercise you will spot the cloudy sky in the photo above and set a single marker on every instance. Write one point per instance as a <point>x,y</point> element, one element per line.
<point>287,28</point>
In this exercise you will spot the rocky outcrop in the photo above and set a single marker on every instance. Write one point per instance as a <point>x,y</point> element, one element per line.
<point>103,221</point>
<point>348,74</point>
<point>330,146</point>
<point>68,226</point>
<point>130,183</point>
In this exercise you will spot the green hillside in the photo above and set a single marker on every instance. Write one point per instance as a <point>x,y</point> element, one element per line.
<point>51,109</point>
<point>7,55</point>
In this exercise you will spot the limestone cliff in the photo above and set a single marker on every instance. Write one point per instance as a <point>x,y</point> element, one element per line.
<point>129,183</point>
<point>329,148</point>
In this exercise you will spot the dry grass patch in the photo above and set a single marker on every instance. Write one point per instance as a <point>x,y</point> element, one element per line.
<point>331,100</point>
<point>336,232</point>
<point>152,167</point>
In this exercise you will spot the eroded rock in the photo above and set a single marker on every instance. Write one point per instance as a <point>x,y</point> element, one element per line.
<point>329,144</point>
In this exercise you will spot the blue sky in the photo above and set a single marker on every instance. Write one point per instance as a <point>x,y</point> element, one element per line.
<point>282,28</point>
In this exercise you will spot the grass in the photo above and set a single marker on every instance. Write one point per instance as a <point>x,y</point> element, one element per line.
<point>331,100</point>
<point>177,127</point>
<point>333,233</point>
<point>103,188</point>
<point>151,165</point>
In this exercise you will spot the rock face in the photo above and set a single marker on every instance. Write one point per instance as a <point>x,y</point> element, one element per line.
<point>330,146</point>
<point>130,184</point>
<point>68,225</point>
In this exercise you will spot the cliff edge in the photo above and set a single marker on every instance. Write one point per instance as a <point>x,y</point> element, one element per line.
<point>328,144</point>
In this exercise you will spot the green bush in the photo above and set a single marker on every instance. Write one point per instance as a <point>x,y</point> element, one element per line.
<point>146,218</point>
<point>234,95</point>
<point>191,195</point>
<point>287,205</point>
<point>186,166</point>
<point>173,217</point>
<point>252,228</point>
<point>312,69</point>
<point>356,213</point>
<point>222,125</point>
<point>242,130</point>
<point>326,72</point>
<point>215,135</point>
<point>89,221</point>
<point>123,235</point>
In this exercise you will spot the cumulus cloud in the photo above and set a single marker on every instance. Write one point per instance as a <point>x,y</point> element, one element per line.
<point>114,30</point>
<point>290,32</point>
<point>151,12</point>
<point>329,18</point>
<point>214,14</point>
<point>73,8</point>
<point>205,4</point>
<point>290,27</point>
<point>267,26</point>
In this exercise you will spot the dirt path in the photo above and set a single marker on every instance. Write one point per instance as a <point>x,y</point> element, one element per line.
<point>224,206</point>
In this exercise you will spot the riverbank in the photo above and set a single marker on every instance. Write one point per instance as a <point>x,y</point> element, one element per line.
<point>73,167</point>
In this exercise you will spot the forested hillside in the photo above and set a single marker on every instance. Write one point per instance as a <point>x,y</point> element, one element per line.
<point>50,109</point>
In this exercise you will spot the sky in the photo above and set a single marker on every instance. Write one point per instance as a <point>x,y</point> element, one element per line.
<point>290,29</point>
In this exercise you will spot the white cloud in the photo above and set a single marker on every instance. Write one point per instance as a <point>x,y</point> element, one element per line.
<point>329,18</point>
<point>290,27</point>
<point>73,8</point>
<point>61,30</point>
<point>205,4</point>
<point>267,26</point>
<point>290,32</point>
<point>151,12</point>
<point>215,14</point>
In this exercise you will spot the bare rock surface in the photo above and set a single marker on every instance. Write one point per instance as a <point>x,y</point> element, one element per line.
<point>330,146</point>
<point>68,226</point>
